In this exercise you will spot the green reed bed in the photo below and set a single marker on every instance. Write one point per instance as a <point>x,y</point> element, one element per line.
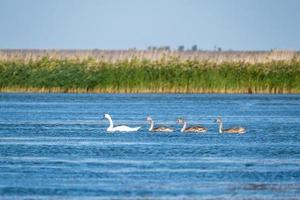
<point>135,75</point>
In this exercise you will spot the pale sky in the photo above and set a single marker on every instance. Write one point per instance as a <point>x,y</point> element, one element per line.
<point>123,24</point>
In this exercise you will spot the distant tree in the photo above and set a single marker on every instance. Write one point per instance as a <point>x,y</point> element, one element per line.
<point>194,48</point>
<point>132,49</point>
<point>216,48</point>
<point>160,48</point>
<point>181,48</point>
<point>164,48</point>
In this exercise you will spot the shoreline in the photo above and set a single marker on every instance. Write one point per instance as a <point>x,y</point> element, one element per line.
<point>145,91</point>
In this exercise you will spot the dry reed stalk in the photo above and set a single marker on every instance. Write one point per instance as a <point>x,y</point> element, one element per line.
<point>119,55</point>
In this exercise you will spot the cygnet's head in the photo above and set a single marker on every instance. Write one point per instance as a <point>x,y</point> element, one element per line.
<point>180,121</point>
<point>218,120</point>
<point>148,118</point>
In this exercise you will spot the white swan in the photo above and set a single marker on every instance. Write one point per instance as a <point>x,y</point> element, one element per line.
<point>234,130</point>
<point>122,128</point>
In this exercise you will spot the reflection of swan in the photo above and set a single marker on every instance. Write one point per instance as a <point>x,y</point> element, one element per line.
<point>123,128</point>
<point>229,130</point>
<point>195,129</point>
<point>159,128</point>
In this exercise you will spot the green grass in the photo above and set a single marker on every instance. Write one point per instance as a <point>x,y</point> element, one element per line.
<point>135,75</point>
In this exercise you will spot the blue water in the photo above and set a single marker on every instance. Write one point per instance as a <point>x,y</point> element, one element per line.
<point>55,146</point>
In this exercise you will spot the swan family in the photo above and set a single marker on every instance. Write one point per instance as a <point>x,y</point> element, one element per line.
<point>180,121</point>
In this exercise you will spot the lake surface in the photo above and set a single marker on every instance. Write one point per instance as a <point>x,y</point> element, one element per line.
<point>56,146</point>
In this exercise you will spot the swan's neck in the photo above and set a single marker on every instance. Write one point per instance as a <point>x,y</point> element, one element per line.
<point>184,126</point>
<point>151,125</point>
<point>111,125</point>
<point>221,127</point>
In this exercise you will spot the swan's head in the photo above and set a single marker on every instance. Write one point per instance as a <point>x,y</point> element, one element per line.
<point>149,119</point>
<point>180,121</point>
<point>106,116</point>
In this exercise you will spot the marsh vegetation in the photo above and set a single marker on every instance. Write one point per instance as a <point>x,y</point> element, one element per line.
<point>137,74</point>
